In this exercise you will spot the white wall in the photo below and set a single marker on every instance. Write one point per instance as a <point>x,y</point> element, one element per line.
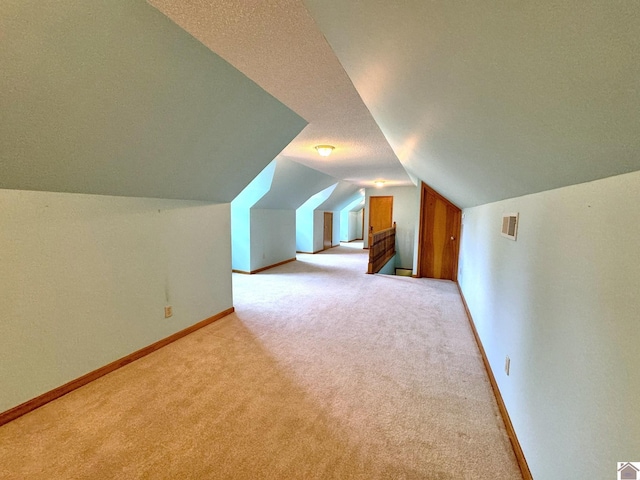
<point>352,218</point>
<point>359,232</point>
<point>240,238</point>
<point>273,237</point>
<point>335,239</point>
<point>85,278</point>
<point>345,225</point>
<point>310,230</point>
<point>406,208</point>
<point>350,225</point>
<point>241,217</point>
<point>347,211</point>
<point>318,230</point>
<point>562,301</point>
<point>304,230</point>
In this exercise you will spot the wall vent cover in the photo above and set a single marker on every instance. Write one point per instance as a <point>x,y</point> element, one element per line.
<point>510,226</point>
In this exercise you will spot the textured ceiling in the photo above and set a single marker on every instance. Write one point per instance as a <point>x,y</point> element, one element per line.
<point>278,46</point>
<point>482,100</point>
<point>492,100</point>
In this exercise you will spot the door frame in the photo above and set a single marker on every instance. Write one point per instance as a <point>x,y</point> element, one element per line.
<point>330,230</point>
<point>364,213</point>
<point>424,188</point>
<point>367,232</point>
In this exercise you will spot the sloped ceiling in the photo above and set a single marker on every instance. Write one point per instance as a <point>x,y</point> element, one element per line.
<point>356,206</point>
<point>482,100</point>
<point>292,185</point>
<point>344,194</point>
<point>313,202</point>
<point>490,100</point>
<point>278,45</point>
<point>110,97</point>
<point>257,188</point>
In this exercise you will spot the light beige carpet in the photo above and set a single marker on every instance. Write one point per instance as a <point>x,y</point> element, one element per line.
<point>323,372</point>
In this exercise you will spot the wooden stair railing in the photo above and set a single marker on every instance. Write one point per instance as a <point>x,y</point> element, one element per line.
<point>382,246</point>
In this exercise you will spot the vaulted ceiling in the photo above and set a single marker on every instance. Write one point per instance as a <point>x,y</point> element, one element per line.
<point>482,100</point>
<point>489,100</point>
<point>110,97</point>
<point>278,46</point>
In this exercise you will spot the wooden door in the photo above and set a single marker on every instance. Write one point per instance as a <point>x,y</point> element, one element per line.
<point>380,213</point>
<point>328,230</point>
<point>439,236</point>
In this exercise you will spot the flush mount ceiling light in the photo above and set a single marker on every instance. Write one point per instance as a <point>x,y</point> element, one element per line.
<point>325,150</point>
<point>379,183</point>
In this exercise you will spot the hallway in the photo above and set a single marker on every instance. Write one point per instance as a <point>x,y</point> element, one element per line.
<point>322,372</point>
<point>392,359</point>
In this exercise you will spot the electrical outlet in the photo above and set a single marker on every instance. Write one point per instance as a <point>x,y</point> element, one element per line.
<point>507,365</point>
<point>168,311</point>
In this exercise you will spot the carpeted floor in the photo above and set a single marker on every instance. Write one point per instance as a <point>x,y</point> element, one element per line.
<point>323,372</point>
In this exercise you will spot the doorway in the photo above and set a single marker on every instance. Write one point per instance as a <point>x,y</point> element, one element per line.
<point>327,241</point>
<point>380,213</point>
<point>439,236</point>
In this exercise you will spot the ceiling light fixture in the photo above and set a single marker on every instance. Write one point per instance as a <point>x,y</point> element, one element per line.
<point>379,183</point>
<point>325,150</point>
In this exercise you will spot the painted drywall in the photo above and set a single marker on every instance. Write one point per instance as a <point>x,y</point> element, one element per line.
<point>348,228</point>
<point>335,229</point>
<point>389,268</point>
<point>345,226</point>
<point>318,230</point>
<point>307,224</point>
<point>85,279</point>
<point>352,225</point>
<point>292,185</point>
<point>358,233</point>
<point>342,196</point>
<point>309,230</point>
<point>304,230</point>
<point>492,100</point>
<point>271,213</point>
<point>273,237</point>
<point>406,207</point>
<point>240,239</point>
<point>241,217</point>
<point>111,97</point>
<point>562,302</point>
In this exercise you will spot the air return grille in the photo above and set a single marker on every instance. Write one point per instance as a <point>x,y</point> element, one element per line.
<point>510,226</point>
